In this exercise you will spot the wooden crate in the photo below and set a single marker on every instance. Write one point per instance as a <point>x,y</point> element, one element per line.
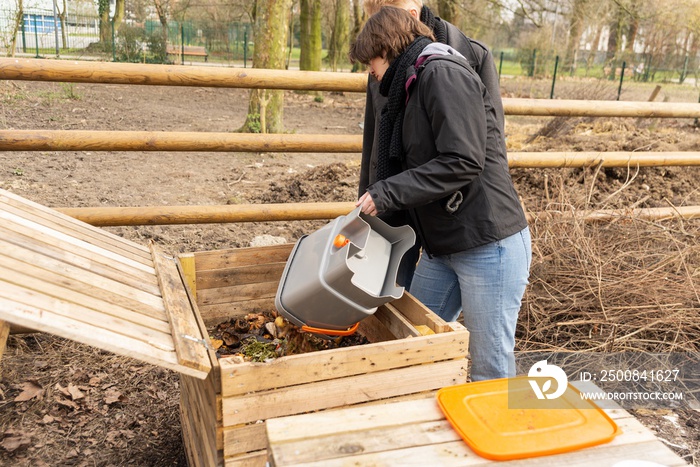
<point>223,416</point>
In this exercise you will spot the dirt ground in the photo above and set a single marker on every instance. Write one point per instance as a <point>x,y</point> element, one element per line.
<point>62,403</point>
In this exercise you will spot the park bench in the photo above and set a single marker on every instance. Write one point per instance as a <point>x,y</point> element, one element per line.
<point>191,50</point>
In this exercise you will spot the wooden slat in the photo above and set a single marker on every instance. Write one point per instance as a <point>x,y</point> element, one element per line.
<point>189,272</point>
<point>105,239</point>
<point>4,333</point>
<point>245,438</point>
<point>83,275</point>
<point>396,322</point>
<point>374,330</point>
<point>81,294</point>
<point>216,314</point>
<point>259,273</point>
<point>44,319</point>
<point>416,433</point>
<point>418,314</point>
<point>246,377</point>
<point>190,346</point>
<point>196,406</point>
<point>75,242</point>
<point>238,293</point>
<point>252,459</point>
<point>336,393</point>
<point>224,259</point>
<point>48,246</point>
<point>64,307</point>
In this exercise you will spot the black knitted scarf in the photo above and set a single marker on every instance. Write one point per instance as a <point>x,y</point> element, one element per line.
<point>390,145</point>
<point>439,29</point>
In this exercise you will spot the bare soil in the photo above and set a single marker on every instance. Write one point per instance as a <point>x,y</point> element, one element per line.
<point>63,403</point>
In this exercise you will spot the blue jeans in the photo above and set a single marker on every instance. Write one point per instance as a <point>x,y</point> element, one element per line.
<point>488,284</point>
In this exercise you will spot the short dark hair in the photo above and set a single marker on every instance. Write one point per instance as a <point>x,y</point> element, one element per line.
<point>388,31</point>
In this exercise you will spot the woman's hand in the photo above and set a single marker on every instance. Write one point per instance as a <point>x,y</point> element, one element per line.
<point>367,204</point>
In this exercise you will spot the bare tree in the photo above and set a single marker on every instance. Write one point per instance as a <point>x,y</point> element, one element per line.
<point>338,45</point>
<point>16,27</point>
<point>310,35</point>
<point>265,107</point>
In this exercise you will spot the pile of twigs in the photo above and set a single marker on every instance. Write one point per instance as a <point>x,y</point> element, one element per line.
<point>626,284</point>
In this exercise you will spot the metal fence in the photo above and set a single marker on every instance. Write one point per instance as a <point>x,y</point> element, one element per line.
<point>40,33</point>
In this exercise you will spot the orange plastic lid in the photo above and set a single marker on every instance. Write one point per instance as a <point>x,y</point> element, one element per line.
<point>481,414</point>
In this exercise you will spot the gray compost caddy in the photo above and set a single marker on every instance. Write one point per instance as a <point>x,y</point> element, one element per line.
<point>340,274</point>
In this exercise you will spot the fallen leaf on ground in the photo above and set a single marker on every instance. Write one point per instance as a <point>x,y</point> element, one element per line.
<point>75,393</point>
<point>112,396</point>
<point>15,442</point>
<point>30,390</point>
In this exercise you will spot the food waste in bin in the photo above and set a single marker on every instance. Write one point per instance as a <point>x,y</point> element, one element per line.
<point>340,274</point>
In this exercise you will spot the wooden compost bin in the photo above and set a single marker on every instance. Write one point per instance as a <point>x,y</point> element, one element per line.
<point>223,417</point>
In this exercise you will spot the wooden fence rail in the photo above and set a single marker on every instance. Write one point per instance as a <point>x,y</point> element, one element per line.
<point>173,215</point>
<point>78,140</point>
<point>255,78</point>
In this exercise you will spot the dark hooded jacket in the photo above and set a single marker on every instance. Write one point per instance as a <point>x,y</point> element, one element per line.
<point>479,58</point>
<point>454,150</point>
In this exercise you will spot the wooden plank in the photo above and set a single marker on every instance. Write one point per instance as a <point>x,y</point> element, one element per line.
<point>252,459</point>
<point>190,346</point>
<point>214,377</point>
<point>4,334</point>
<point>65,252</point>
<point>19,253</point>
<point>75,242</point>
<point>238,293</point>
<point>81,294</point>
<point>189,272</point>
<point>231,258</point>
<point>374,330</point>
<point>196,406</point>
<point>245,438</point>
<point>457,454</point>
<point>242,378</point>
<point>419,314</point>
<point>396,322</point>
<point>44,319</point>
<point>258,273</point>
<point>62,306</point>
<point>216,314</point>
<point>416,433</point>
<point>335,393</point>
<point>73,225</point>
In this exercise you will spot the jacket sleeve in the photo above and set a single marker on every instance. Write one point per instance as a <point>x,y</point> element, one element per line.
<point>367,138</point>
<point>453,102</point>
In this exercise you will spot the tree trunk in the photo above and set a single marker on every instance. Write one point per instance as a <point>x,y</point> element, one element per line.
<point>62,18</point>
<point>594,48</point>
<point>118,13</point>
<point>162,12</point>
<point>575,31</point>
<point>310,35</point>
<point>615,27</point>
<point>105,27</point>
<point>265,107</point>
<point>449,11</point>
<point>338,47</point>
<point>16,27</point>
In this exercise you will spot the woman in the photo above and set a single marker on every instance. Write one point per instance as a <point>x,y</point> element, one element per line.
<point>442,159</point>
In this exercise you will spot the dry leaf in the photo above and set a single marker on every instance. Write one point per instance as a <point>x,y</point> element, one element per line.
<point>47,419</point>
<point>12,443</point>
<point>75,393</point>
<point>66,403</point>
<point>216,343</point>
<point>30,390</point>
<point>112,396</point>
<point>95,381</point>
<point>62,390</point>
